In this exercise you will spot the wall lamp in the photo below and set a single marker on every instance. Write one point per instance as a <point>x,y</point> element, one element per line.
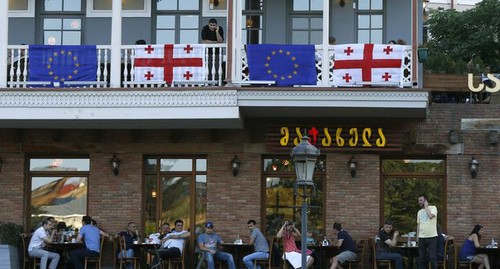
<point>473,167</point>
<point>235,165</point>
<point>114,164</point>
<point>352,166</point>
<point>341,3</point>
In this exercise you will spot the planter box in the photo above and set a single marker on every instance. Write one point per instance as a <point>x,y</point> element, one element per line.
<point>448,82</point>
<point>9,257</point>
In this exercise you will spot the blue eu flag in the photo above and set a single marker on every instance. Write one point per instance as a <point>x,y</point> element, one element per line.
<point>59,64</point>
<point>285,64</point>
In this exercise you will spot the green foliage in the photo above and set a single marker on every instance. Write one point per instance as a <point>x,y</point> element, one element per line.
<point>10,233</point>
<point>455,36</point>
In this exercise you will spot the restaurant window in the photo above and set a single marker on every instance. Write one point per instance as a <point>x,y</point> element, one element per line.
<point>404,180</point>
<point>177,22</point>
<point>21,8</point>
<point>175,188</point>
<point>283,201</point>
<point>61,22</point>
<point>307,22</point>
<point>59,188</point>
<point>370,21</point>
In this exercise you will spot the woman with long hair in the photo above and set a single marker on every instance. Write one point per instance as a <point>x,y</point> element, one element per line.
<point>468,250</point>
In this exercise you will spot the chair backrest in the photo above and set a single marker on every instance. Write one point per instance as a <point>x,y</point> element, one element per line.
<point>362,244</point>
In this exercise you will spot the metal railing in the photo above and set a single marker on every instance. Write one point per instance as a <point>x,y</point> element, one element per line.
<point>215,69</point>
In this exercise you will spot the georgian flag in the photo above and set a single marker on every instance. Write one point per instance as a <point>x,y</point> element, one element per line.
<point>369,63</point>
<point>169,62</point>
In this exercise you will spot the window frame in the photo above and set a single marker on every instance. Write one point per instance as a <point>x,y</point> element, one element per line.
<point>146,12</point>
<point>290,174</point>
<point>31,174</point>
<point>442,176</point>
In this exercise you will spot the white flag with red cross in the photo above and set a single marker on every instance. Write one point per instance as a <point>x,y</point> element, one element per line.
<point>358,64</point>
<point>169,62</point>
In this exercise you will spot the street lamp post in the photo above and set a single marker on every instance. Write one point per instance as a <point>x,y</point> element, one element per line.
<point>304,157</point>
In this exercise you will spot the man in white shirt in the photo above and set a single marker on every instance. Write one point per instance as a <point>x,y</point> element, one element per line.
<point>38,242</point>
<point>426,233</point>
<point>173,242</point>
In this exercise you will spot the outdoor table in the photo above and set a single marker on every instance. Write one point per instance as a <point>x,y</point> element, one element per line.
<point>64,249</point>
<point>493,256</point>
<point>141,251</point>
<point>324,254</point>
<point>238,250</point>
<point>410,252</point>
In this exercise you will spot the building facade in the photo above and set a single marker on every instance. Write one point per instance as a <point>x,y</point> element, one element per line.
<point>150,154</point>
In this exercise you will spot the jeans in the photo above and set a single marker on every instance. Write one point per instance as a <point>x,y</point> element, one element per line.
<point>427,252</point>
<point>220,256</point>
<point>77,256</point>
<point>248,259</point>
<point>396,257</point>
<point>127,253</point>
<point>44,257</point>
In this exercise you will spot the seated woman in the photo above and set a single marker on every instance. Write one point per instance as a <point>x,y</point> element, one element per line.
<point>468,250</point>
<point>292,254</point>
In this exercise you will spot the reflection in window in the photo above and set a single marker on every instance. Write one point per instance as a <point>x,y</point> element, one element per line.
<point>58,31</point>
<point>59,189</point>
<point>18,4</point>
<point>169,191</point>
<point>403,181</point>
<point>178,5</point>
<point>280,178</point>
<point>126,5</point>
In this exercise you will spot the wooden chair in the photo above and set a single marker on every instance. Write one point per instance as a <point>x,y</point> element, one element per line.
<point>122,261</point>
<point>443,263</point>
<point>202,259</point>
<point>97,260</point>
<point>361,246</point>
<point>377,262</point>
<point>27,259</point>
<point>268,261</point>
<point>458,262</point>
<point>176,261</point>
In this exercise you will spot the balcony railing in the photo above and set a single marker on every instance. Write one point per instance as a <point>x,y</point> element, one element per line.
<point>215,68</point>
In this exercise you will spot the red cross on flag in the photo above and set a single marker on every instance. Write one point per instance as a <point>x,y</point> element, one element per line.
<point>169,62</point>
<point>368,63</point>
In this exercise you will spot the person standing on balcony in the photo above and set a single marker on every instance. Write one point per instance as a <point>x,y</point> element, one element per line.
<point>426,233</point>
<point>212,33</point>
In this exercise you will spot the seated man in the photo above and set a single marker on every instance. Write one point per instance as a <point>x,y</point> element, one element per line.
<point>38,242</point>
<point>209,243</point>
<point>387,238</point>
<point>130,235</point>
<point>173,243</point>
<point>90,235</point>
<point>346,245</point>
<point>261,247</point>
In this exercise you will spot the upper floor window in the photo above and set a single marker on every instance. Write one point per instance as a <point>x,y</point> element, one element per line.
<point>306,21</point>
<point>21,8</point>
<point>177,21</point>
<point>370,18</point>
<point>61,22</point>
<point>62,5</point>
<point>252,22</point>
<point>59,189</point>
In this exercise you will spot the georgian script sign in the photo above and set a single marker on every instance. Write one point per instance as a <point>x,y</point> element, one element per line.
<point>336,138</point>
<point>470,78</point>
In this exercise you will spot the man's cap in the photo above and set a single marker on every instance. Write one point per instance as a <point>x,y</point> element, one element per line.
<point>209,225</point>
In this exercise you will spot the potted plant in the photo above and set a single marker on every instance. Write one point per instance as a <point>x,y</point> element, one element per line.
<point>10,238</point>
